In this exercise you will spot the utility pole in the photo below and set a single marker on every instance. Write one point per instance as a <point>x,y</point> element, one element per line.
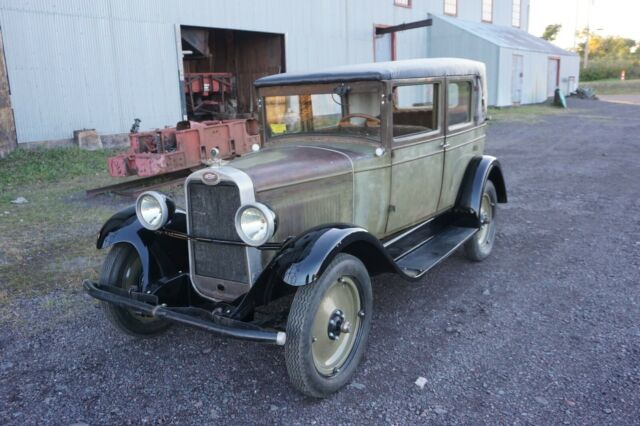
<point>585,60</point>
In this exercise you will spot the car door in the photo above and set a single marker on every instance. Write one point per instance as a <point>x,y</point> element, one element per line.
<point>464,138</point>
<point>417,158</point>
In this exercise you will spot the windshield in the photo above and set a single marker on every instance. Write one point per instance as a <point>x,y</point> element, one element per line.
<point>343,111</point>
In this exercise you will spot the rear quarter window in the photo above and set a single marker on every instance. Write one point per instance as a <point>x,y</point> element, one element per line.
<point>458,103</point>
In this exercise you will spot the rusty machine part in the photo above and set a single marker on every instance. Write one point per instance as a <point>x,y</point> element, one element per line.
<point>187,145</point>
<point>210,94</point>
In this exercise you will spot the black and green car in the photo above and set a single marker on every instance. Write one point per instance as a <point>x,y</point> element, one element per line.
<point>363,169</point>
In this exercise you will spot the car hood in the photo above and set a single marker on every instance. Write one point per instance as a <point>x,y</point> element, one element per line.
<point>286,165</point>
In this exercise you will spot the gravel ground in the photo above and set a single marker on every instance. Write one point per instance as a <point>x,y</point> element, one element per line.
<point>546,331</point>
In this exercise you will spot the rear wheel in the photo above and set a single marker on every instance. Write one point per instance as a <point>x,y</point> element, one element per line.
<point>481,244</point>
<point>328,327</point>
<point>122,268</point>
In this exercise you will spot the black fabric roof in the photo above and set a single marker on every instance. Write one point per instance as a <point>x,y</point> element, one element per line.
<point>412,68</point>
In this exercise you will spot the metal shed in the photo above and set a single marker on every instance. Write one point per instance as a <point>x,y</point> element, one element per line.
<point>521,68</point>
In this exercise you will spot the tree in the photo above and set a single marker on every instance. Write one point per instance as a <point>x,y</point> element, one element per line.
<point>606,47</point>
<point>551,32</point>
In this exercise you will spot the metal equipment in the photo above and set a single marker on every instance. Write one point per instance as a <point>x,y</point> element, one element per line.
<point>185,146</point>
<point>210,94</point>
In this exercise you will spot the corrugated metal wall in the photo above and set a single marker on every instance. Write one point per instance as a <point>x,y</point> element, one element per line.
<point>451,41</point>
<point>99,64</point>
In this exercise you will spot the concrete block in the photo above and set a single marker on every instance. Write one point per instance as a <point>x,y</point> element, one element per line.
<point>87,139</point>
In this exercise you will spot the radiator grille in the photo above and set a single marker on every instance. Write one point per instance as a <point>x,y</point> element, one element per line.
<point>211,212</point>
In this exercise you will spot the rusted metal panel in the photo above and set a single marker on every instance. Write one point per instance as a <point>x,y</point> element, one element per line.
<point>463,146</point>
<point>290,165</point>
<point>308,204</point>
<point>186,146</point>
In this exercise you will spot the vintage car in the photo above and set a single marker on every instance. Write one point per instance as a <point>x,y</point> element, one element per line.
<point>363,169</point>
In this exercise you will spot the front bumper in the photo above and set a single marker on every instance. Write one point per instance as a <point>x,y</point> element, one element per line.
<point>190,316</point>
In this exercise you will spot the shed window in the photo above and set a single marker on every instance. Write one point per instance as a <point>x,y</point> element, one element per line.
<point>516,12</point>
<point>458,103</point>
<point>487,10</point>
<point>403,3</point>
<point>415,109</point>
<point>451,7</point>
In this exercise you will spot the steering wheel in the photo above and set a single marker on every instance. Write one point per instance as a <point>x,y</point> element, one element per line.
<point>370,120</point>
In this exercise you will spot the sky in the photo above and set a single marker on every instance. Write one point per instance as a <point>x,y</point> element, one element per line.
<point>608,17</point>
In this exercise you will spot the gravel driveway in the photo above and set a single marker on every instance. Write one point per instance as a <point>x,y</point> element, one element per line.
<point>546,331</point>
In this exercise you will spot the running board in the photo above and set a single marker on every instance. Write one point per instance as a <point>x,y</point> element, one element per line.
<point>417,261</point>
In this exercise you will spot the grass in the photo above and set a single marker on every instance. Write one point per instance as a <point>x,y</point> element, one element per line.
<point>47,166</point>
<point>524,113</point>
<point>49,242</point>
<point>614,87</point>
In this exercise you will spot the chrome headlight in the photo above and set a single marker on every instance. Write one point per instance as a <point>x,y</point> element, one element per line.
<point>154,209</point>
<point>255,224</point>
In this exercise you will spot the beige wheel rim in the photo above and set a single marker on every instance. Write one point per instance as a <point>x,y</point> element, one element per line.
<point>486,218</point>
<point>335,327</point>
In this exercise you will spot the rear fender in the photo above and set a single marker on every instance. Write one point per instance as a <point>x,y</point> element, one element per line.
<point>479,170</point>
<point>160,255</point>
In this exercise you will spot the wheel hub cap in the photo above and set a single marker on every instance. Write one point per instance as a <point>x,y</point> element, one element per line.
<point>335,326</point>
<point>486,215</point>
<point>336,322</point>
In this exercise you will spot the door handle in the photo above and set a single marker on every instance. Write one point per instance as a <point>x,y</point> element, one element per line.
<point>445,145</point>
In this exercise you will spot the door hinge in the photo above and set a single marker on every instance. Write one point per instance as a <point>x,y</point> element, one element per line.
<point>391,208</point>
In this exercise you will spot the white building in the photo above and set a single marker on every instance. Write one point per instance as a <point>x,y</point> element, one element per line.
<point>75,64</point>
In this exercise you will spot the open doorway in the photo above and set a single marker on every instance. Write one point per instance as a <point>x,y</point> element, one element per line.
<point>220,66</point>
<point>384,45</point>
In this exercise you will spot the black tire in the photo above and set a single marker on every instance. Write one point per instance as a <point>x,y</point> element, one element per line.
<point>299,354</point>
<point>480,245</point>
<point>122,268</point>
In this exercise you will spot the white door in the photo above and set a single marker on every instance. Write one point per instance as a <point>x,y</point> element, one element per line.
<point>516,79</point>
<point>553,74</point>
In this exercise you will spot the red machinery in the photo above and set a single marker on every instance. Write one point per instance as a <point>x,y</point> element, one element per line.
<point>209,94</point>
<point>185,146</point>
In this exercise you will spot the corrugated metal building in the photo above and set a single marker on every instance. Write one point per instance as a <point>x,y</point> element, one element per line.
<point>75,64</point>
<point>521,68</point>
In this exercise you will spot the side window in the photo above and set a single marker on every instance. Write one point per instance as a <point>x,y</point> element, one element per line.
<point>415,109</point>
<point>459,103</point>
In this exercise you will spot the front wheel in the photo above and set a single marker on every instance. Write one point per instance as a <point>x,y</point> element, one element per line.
<point>122,268</point>
<point>481,244</point>
<point>328,327</point>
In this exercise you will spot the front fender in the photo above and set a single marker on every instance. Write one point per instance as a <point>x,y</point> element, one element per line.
<point>305,259</point>
<point>160,255</point>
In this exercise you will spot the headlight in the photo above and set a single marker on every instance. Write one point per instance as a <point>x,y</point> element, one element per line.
<point>154,209</point>
<point>255,223</point>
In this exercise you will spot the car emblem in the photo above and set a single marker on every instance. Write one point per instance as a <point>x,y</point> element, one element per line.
<point>210,178</point>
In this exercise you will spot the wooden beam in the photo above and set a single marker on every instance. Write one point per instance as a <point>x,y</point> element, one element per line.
<point>403,27</point>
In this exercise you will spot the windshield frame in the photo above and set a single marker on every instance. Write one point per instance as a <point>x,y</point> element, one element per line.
<point>323,88</point>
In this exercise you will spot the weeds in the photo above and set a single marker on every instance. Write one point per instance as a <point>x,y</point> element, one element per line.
<point>49,242</point>
<point>614,87</point>
<point>48,166</point>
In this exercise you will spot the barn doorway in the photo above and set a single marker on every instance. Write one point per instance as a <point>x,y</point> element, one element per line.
<point>220,66</point>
